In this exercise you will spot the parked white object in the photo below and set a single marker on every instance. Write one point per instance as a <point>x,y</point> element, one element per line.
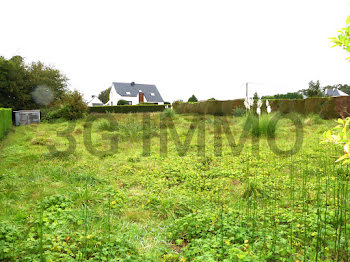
<point>26,117</point>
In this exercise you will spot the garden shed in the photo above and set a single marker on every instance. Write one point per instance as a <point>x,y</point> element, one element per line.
<point>26,117</point>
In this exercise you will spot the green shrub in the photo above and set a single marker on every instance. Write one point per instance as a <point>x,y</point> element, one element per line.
<point>127,109</point>
<point>5,121</point>
<point>239,111</point>
<point>122,102</point>
<point>70,107</point>
<point>169,113</point>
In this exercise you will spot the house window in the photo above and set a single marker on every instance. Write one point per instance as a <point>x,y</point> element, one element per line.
<point>128,93</point>
<point>152,94</point>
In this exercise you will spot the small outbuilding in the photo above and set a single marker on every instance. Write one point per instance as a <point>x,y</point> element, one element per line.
<point>26,117</point>
<point>94,102</point>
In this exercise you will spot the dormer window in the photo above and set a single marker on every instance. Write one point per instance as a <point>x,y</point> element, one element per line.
<point>128,93</point>
<point>152,94</point>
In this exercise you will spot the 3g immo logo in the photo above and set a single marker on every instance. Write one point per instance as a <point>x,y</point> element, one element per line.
<point>168,131</point>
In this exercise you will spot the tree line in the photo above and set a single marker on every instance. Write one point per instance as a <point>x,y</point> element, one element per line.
<point>314,90</point>
<point>19,81</point>
<point>38,86</point>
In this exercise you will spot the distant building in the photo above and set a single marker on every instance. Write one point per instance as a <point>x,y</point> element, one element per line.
<point>134,94</point>
<point>94,102</point>
<point>334,92</point>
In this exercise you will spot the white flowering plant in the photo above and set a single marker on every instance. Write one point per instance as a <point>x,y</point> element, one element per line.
<point>249,103</point>
<point>258,107</point>
<point>268,107</point>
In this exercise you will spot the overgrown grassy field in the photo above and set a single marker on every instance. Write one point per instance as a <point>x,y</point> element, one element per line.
<point>130,206</point>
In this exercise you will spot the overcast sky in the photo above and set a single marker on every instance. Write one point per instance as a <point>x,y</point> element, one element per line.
<point>185,47</point>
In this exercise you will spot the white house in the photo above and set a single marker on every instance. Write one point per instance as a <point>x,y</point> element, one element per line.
<point>334,92</point>
<point>134,94</point>
<point>94,101</point>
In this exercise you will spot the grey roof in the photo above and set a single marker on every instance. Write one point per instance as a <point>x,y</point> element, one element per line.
<point>334,92</point>
<point>134,89</point>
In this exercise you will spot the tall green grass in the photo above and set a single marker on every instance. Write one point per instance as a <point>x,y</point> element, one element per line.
<point>260,125</point>
<point>128,207</point>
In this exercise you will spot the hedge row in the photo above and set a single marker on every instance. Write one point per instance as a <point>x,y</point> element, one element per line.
<point>127,109</point>
<point>5,121</point>
<point>327,107</point>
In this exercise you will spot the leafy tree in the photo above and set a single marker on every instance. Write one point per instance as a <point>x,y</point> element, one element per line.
<point>344,88</point>
<point>256,96</point>
<point>343,39</point>
<point>104,95</point>
<point>212,99</point>
<point>314,89</point>
<point>22,84</point>
<point>42,75</point>
<point>193,99</point>
<point>14,87</point>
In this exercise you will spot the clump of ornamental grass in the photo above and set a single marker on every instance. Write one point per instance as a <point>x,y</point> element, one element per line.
<point>260,125</point>
<point>169,113</point>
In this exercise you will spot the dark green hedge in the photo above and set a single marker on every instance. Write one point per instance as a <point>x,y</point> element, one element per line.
<point>327,107</point>
<point>5,121</point>
<point>127,109</point>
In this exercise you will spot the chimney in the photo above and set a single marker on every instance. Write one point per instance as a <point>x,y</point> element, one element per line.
<point>132,83</point>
